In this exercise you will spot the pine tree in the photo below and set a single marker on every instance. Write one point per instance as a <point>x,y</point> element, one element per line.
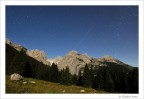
<point>100,78</point>
<point>54,73</point>
<point>87,77</point>
<point>109,84</point>
<point>27,70</point>
<point>80,78</point>
<point>135,81</point>
<point>18,64</point>
<point>74,79</point>
<point>66,77</point>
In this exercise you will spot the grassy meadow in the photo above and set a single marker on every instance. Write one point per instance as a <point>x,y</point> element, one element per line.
<point>44,87</point>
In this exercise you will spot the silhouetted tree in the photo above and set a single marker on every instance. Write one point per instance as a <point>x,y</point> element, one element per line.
<point>109,84</point>
<point>66,77</point>
<point>134,81</point>
<point>74,79</point>
<point>54,73</point>
<point>87,76</point>
<point>18,64</point>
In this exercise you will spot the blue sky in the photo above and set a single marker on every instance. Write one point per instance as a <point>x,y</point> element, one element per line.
<point>95,30</point>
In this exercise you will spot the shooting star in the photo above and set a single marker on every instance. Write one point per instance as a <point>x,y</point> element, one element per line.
<point>84,36</point>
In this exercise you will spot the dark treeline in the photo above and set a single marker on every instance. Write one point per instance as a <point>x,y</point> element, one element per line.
<point>112,78</point>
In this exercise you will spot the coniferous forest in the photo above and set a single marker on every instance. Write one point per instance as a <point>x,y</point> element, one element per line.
<point>113,78</point>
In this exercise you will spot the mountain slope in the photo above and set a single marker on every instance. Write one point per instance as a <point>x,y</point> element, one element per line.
<point>20,62</point>
<point>36,54</point>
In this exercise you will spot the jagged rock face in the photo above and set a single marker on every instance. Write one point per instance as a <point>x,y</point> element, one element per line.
<point>38,55</point>
<point>74,61</point>
<point>96,62</point>
<point>107,59</point>
<point>55,60</point>
<point>16,46</point>
<point>8,41</point>
<point>110,59</point>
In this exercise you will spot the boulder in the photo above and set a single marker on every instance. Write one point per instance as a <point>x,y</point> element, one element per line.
<point>32,82</point>
<point>82,91</point>
<point>16,77</point>
<point>63,91</point>
<point>24,82</point>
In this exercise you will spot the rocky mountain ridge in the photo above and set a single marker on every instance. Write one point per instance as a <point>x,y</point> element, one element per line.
<point>73,59</point>
<point>36,54</point>
<point>56,60</point>
<point>16,46</point>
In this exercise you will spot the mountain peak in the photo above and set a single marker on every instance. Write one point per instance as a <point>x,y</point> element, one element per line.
<point>56,60</point>
<point>108,57</point>
<point>16,46</point>
<point>85,54</point>
<point>8,41</point>
<point>38,55</point>
<point>73,52</point>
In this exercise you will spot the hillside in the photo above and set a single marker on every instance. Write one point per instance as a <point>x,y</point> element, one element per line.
<point>41,86</point>
<point>107,74</point>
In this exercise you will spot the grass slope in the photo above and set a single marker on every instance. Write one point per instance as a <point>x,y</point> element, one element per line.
<point>43,87</point>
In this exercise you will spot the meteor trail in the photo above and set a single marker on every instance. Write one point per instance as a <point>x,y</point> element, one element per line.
<point>84,36</point>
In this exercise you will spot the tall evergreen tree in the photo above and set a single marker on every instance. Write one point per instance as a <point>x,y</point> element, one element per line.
<point>18,64</point>
<point>80,78</point>
<point>87,76</point>
<point>66,77</point>
<point>27,70</point>
<point>109,84</point>
<point>74,79</point>
<point>54,73</point>
<point>133,81</point>
<point>100,78</point>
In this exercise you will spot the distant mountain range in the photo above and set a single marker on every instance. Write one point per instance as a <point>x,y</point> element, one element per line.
<point>105,73</point>
<point>73,59</point>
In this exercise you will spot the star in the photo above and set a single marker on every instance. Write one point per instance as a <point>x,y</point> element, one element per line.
<point>122,17</point>
<point>27,17</point>
<point>118,34</point>
<point>16,20</point>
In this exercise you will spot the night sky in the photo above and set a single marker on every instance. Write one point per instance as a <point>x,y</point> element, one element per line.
<point>95,30</point>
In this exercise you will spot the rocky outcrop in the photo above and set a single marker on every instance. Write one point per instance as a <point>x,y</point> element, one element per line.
<point>96,62</point>
<point>55,60</point>
<point>19,47</point>
<point>16,46</point>
<point>38,55</point>
<point>108,58</point>
<point>74,61</point>
<point>8,41</point>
